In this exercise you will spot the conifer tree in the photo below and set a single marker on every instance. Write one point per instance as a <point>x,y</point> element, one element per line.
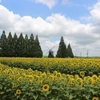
<point>26,50</point>
<point>3,45</point>
<point>20,46</point>
<point>62,50</point>
<point>15,45</point>
<point>70,53</point>
<point>31,46</point>
<point>37,48</point>
<point>10,45</point>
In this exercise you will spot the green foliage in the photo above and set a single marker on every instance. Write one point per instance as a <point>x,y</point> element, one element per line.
<point>3,45</point>
<point>69,50</point>
<point>20,84</point>
<point>31,46</point>
<point>19,46</point>
<point>10,48</point>
<point>67,66</point>
<point>15,45</point>
<point>37,49</point>
<point>62,52</point>
<point>26,49</point>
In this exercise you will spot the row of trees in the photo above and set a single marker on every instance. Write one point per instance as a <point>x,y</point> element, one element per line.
<point>63,51</point>
<point>22,46</point>
<point>14,46</point>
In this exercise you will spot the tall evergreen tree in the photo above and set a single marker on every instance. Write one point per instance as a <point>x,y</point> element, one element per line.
<point>26,50</point>
<point>62,50</point>
<point>10,45</point>
<point>31,46</point>
<point>20,46</point>
<point>70,53</point>
<point>37,48</point>
<point>15,45</point>
<point>3,45</point>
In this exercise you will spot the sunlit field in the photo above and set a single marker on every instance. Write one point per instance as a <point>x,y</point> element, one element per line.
<point>49,79</point>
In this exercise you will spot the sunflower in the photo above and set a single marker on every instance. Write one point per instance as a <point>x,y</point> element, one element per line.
<point>90,81</point>
<point>18,91</point>
<point>72,81</point>
<point>94,77</point>
<point>13,85</point>
<point>79,81</point>
<point>10,76</point>
<point>95,98</point>
<point>55,73</point>
<point>76,76</point>
<point>36,77</point>
<point>58,74</point>
<point>51,78</point>
<point>44,75</point>
<point>67,76</point>
<point>45,87</point>
<point>82,73</point>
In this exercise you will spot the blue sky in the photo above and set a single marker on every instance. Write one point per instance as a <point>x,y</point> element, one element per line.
<point>76,20</point>
<point>72,8</point>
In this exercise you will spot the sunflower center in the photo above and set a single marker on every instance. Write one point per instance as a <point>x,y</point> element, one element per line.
<point>45,87</point>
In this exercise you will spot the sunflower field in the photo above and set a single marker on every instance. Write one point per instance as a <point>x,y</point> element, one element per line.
<point>49,79</point>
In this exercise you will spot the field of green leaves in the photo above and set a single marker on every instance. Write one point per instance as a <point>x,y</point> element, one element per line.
<point>49,79</point>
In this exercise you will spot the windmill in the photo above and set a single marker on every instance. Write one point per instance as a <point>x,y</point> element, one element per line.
<point>50,52</point>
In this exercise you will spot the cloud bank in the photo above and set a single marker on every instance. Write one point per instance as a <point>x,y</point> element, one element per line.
<point>81,36</point>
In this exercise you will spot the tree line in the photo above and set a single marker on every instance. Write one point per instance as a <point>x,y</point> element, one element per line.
<point>24,46</point>
<point>63,51</point>
<point>14,46</point>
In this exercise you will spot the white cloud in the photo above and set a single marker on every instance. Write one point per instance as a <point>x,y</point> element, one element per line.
<point>81,36</point>
<point>49,3</point>
<point>95,12</point>
<point>7,19</point>
<point>65,2</point>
